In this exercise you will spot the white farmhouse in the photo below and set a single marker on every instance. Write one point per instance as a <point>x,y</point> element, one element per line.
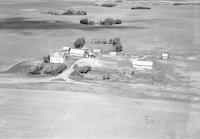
<point>57,57</point>
<point>78,52</point>
<point>138,64</point>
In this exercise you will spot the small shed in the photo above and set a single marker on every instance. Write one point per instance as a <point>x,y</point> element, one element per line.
<point>78,52</point>
<point>164,56</point>
<point>57,57</point>
<point>139,64</point>
<point>113,54</point>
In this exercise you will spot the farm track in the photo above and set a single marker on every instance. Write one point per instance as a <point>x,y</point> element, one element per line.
<point>64,75</point>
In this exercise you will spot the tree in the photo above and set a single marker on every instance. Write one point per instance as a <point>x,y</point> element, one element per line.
<point>46,59</point>
<point>118,47</point>
<point>117,44</point>
<point>85,69</point>
<point>107,21</point>
<point>118,21</point>
<point>84,21</point>
<point>79,43</point>
<point>116,41</point>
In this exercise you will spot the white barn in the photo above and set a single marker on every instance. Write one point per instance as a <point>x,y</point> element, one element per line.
<point>57,57</point>
<point>138,64</point>
<point>78,52</point>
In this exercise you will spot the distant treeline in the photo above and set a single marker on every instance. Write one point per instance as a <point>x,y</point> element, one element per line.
<point>183,3</point>
<point>140,7</point>
<point>67,12</point>
<point>106,4</point>
<point>107,21</point>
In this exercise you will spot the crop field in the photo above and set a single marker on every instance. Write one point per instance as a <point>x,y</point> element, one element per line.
<point>163,28</point>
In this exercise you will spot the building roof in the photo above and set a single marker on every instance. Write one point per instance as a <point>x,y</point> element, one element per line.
<point>66,48</point>
<point>97,50</point>
<point>165,54</point>
<point>57,55</point>
<point>142,63</point>
<point>77,51</point>
<point>84,48</point>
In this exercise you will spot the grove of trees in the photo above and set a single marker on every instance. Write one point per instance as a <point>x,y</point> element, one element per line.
<point>79,43</point>
<point>116,44</point>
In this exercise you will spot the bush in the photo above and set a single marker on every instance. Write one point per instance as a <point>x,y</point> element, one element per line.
<point>46,59</point>
<point>118,47</point>
<point>107,21</point>
<point>132,73</point>
<point>70,12</point>
<point>84,21</point>
<point>116,44</point>
<point>79,71</point>
<point>116,41</point>
<point>106,77</point>
<point>53,68</point>
<point>76,73</point>
<point>84,69</point>
<point>79,43</point>
<point>81,13</point>
<point>35,70</point>
<point>110,21</point>
<point>73,12</point>
<point>91,23</point>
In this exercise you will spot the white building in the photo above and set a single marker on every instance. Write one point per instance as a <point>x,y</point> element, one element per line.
<point>113,54</point>
<point>164,56</point>
<point>78,52</point>
<point>97,51</point>
<point>57,57</point>
<point>66,48</point>
<point>138,64</point>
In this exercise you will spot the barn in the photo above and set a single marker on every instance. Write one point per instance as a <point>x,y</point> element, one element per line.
<point>78,52</point>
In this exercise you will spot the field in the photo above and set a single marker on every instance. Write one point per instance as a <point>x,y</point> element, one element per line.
<point>160,104</point>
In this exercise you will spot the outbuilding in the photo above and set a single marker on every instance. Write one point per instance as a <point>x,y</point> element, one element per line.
<point>139,64</point>
<point>57,57</point>
<point>97,51</point>
<point>164,56</point>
